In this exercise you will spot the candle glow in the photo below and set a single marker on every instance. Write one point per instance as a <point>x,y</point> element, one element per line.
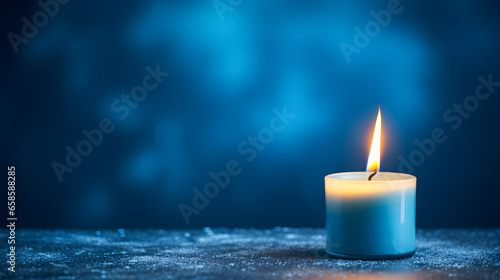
<point>374,218</point>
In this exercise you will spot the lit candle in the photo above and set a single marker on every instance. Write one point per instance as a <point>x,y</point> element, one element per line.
<point>370,215</point>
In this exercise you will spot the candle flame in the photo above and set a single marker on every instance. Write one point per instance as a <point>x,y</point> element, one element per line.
<point>373,164</point>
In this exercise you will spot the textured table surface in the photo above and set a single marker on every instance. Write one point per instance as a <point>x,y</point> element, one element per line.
<point>278,253</point>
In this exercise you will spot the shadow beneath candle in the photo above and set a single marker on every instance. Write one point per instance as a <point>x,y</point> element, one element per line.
<point>316,253</point>
<point>309,254</point>
<point>355,275</point>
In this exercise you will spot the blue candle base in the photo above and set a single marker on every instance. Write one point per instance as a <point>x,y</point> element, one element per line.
<point>370,220</point>
<point>371,257</point>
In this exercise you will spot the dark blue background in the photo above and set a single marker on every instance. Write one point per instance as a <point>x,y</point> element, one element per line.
<point>226,76</point>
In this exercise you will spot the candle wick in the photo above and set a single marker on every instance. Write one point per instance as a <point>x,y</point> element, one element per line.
<point>371,176</point>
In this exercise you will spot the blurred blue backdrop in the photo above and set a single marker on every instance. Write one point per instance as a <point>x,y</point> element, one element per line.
<point>230,64</point>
